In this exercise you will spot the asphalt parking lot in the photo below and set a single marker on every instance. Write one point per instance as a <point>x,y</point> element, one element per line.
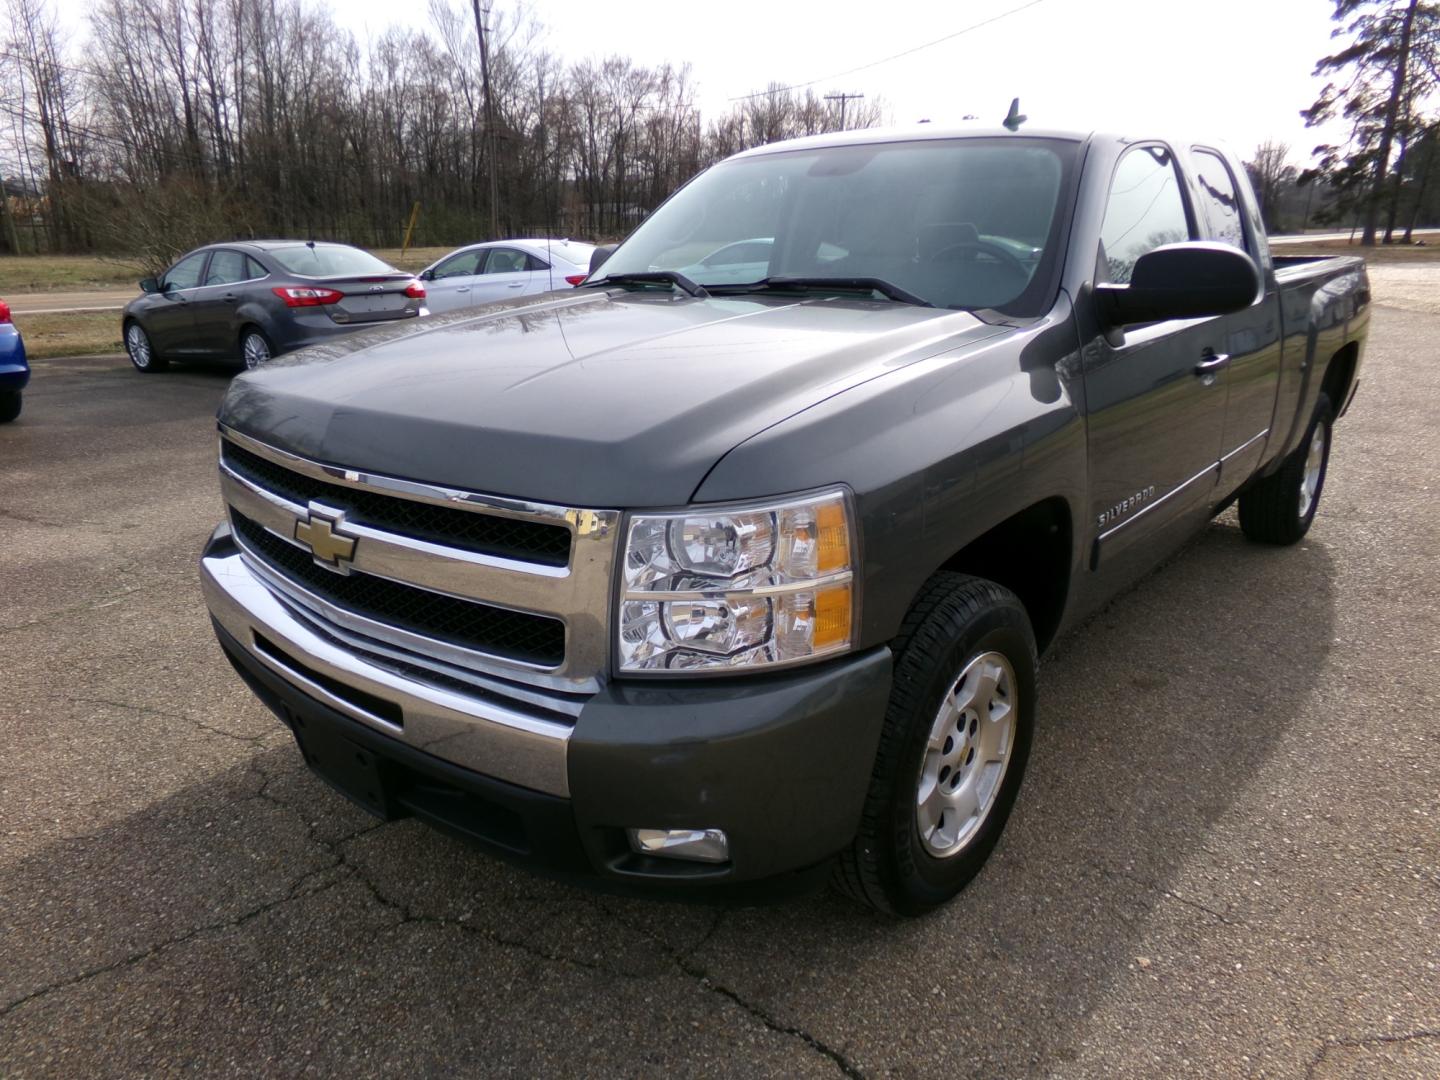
<point>1225,860</point>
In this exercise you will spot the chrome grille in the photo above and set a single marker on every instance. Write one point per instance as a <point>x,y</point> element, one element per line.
<point>535,639</point>
<point>517,594</point>
<point>532,541</point>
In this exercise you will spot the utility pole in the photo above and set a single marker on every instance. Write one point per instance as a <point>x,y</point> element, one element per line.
<point>489,119</point>
<point>843,98</point>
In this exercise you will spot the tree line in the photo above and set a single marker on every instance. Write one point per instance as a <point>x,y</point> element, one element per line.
<point>173,122</point>
<point>181,121</point>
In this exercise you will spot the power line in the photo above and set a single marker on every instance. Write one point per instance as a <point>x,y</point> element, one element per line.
<point>887,59</point>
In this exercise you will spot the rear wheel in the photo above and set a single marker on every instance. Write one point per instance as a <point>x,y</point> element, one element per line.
<point>9,405</point>
<point>1280,508</point>
<point>952,751</point>
<point>255,348</point>
<point>142,353</point>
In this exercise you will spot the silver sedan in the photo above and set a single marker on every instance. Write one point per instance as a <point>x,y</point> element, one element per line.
<point>502,269</point>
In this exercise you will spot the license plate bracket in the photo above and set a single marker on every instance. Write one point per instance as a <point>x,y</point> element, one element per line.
<point>348,767</point>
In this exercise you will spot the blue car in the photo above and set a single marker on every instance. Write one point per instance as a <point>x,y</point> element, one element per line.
<point>14,371</point>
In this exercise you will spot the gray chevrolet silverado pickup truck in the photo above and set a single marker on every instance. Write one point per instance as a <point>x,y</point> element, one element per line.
<point>729,569</point>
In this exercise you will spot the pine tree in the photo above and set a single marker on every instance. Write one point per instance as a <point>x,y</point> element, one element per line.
<point>1389,70</point>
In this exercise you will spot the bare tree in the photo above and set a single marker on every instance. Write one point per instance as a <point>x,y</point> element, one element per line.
<point>197,120</point>
<point>1271,173</point>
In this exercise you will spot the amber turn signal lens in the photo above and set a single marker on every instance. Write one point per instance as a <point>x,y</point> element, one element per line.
<point>832,617</point>
<point>833,546</point>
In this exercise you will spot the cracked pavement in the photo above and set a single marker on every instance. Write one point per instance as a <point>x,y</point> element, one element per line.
<point>1225,860</point>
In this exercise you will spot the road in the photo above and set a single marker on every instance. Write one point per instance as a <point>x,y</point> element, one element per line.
<point>1225,860</point>
<point>1344,234</point>
<point>54,302</point>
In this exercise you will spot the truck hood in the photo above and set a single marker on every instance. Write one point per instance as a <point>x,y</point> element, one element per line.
<point>591,399</point>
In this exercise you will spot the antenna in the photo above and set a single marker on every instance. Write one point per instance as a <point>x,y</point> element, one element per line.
<point>1016,117</point>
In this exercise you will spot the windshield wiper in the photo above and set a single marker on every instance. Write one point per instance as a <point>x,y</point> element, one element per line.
<point>653,277</point>
<point>887,289</point>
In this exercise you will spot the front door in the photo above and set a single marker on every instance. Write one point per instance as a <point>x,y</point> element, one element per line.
<point>451,281</point>
<point>169,318</point>
<point>1155,394</point>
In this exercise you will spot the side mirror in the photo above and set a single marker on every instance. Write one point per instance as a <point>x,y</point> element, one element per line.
<point>427,275</point>
<point>149,285</point>
<point>1193,280</point>
<point>600,254</point>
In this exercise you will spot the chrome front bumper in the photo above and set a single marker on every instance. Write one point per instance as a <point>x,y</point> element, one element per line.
<point>471,732</point>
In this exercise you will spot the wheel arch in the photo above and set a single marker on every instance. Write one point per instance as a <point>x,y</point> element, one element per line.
<point>1031,554</point>
<point>1339,379</point>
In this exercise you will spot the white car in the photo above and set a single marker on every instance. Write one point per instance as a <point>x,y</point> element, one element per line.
<point>502,269</point>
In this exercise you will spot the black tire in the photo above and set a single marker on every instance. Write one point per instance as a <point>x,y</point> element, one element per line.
<point>141,351</point>
<point>956,620</point>
<point>9,405</point>
<point>1275,510</point>
<point>254,343</point>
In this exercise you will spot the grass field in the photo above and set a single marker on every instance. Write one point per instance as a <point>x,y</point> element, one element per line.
<point>84,333</point>
<point>414,260</point>
<point>62,273</point>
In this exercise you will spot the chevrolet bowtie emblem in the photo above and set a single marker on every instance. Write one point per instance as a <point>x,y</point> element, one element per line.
<point>332,550</point>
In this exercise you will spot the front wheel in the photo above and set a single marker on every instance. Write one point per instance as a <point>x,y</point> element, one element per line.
<point>255,348</point>
<point>142,353</point>
<point>1280,508</point>
<point>953,747</point>
<point>9,405</point>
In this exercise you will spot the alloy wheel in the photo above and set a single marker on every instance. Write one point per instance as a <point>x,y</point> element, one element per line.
<point>138,345</point>
<point>256,350</point>
<point>966,755</point>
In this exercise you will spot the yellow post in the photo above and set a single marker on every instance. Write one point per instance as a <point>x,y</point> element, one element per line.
<point>410,228</point>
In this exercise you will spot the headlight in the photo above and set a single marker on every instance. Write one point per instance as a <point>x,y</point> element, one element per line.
<point>737,586</point>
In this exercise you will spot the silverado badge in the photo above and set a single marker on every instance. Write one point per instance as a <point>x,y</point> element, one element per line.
<point>317,532</point>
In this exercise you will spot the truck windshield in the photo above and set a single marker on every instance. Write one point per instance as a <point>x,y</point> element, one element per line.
<point>955,223</point>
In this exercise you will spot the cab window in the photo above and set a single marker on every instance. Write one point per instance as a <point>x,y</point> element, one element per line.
<point>1145,211</point>
<point>1219,198</point>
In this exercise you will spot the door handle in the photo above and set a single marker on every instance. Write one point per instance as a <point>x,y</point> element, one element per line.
<point>229,296</point>
<point>1211,362</point>
<point>462,288</point>
<point>516,285</point>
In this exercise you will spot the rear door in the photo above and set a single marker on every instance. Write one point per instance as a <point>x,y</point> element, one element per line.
<point>505,274</point>
<point>215,301</point>
<point>1252,336</point>
<point>453,279</point>
<point>1155,394</point>
<point>170,320</point>
<point>540,274</point>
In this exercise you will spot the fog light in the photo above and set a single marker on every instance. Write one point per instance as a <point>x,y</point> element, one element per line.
<point>698,845</point>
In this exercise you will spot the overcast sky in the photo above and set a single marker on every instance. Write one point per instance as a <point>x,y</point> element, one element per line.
<point>1234,70</point>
